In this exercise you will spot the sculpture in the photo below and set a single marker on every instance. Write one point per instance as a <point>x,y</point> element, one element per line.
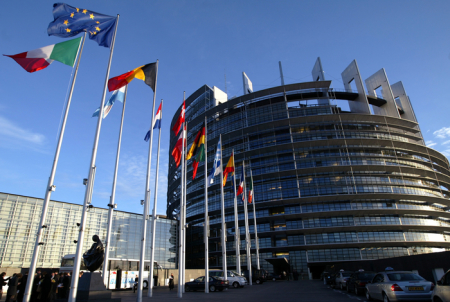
<point>93,258</point>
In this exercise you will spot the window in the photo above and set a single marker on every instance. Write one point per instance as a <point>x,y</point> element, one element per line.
<point>378,278</point>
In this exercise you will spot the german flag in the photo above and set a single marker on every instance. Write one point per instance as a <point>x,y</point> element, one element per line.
<point>146,73</point>
<point>228,169</point>
<point>197,150</point>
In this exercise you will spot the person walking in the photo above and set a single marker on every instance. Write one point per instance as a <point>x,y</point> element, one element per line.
<point>3,283</point>
<point>136,282</point>
<point>12,288</point>
<point>46,288</point>
<point>171,282</point>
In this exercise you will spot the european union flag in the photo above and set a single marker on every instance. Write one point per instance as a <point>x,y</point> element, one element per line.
<point>70,21</point>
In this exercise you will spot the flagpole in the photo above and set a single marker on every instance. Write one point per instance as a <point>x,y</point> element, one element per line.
<point>146,202</point>
<point>90,182</point>
<point>224,228</point>
<point>247,233</point>
<point>254,223</point>
<point>237,233</point>
<point>183,279</point>
<point>152,243</point>
<point>206,228</point>
<point>113,197</point>
<point>50,187</point>
<point>181,228</point>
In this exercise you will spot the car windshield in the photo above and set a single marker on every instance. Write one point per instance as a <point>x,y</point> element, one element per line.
<point>404,277</point>
<point>234,272</point>
<point>346,274</point>
<point>368,276</point>
<point>199,279</point>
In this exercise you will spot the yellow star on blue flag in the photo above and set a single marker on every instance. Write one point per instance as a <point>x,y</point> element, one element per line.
<point>81,20</point>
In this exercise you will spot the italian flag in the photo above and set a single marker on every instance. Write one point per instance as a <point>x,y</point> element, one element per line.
<point>37,59</point>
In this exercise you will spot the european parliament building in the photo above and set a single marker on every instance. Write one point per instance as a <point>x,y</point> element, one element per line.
<point>19,220</point>
<point>339,175</point>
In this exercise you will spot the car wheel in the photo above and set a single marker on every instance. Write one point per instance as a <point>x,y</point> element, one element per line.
<point>258,281</point>
<point>385,298</point>
<point>187,288</point>
<point>212,288</point>
<point>145,284</point>
<point>368,297</point>
<point>235,284</point>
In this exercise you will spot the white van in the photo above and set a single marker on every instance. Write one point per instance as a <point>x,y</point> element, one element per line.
<point>233,278</point>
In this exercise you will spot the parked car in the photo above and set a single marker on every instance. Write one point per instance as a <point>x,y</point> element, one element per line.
<point>341,279</point>
<point>326,278</point>
<point>199,284</point>
<point>274,277</point>
<point>258,276</point>
<point>441,293</point>
<point>332,280</point>
<point>233,277</point>
<point>358,280</point>
<point>393,285</point>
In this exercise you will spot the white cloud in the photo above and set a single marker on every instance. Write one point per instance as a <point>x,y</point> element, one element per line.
<point>446,142</point>
<point>430,143</point>
<point>444,132</point>
<point>9,129</point>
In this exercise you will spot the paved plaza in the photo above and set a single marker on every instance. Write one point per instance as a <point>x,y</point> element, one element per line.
<point>278,291</point>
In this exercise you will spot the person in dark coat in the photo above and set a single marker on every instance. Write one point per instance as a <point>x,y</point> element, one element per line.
<point>3,282</point>
<point>21,287</point>
<point>171,282</point>
<point>12,288</point>
<point>66,285</point>
<point>46,288</point>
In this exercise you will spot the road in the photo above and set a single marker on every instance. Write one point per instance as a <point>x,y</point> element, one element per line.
<point>278,291</point>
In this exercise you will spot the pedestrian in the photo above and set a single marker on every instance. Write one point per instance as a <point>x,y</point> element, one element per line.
<point>21,287</point>
<point>66,284</point>
<point>3,283</point>
<point>136,282</point>
<point>54,287</point>
<point>46,288</point>
<point>12,288</point>
<point>171,282</point>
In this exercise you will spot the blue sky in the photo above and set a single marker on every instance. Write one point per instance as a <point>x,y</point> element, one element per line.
<point>197,43</point>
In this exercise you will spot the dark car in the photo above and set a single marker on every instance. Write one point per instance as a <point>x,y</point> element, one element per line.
<point>358,280</point>
<point>326,277</point>
<point>199,284</point>
<point>274,277</point>
<point>258,276</point>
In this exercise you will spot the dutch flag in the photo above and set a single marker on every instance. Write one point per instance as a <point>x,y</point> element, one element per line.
<point>156,122</point>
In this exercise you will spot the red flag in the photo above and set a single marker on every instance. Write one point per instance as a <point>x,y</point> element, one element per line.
<point>180,120</point>
<point>176,152</point>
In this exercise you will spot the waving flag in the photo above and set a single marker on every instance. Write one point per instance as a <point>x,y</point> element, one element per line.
<point>69,21</point>
<point>250,190</point>
<point>156,123</point>
<point>241,185</point>
<point>229,169</point>
<point>146,73</point>
<point>217,167</point>
<point>197,150</point>
<point>38,59</point>
<point>177,150</point>
<point>176,128</point>
<point>118,95</point>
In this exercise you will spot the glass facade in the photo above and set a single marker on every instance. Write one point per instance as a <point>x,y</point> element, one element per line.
<point>329,185</point>
<point>20,216</point>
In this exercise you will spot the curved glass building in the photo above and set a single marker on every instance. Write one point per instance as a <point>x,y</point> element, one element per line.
<point>339,175</point>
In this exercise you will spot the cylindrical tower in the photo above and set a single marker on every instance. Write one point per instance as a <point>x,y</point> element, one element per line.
<point>329,184</point>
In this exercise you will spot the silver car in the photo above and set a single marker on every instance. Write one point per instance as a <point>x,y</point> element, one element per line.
<point>341,279</point>
<point>393,286</point>
<point>441,293</point>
